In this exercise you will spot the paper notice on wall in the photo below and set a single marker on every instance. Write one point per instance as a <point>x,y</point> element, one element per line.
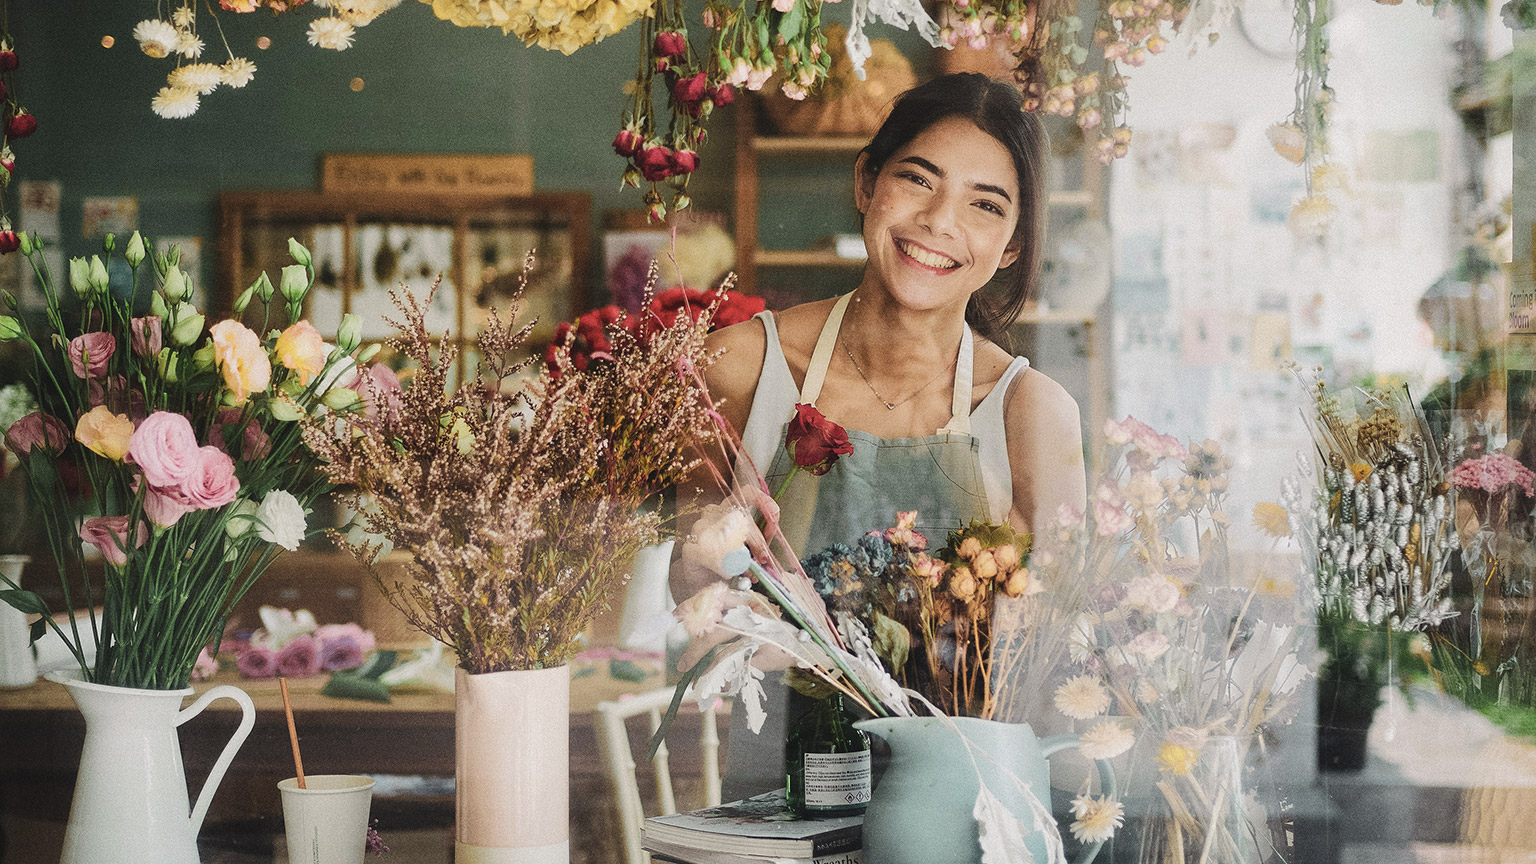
<point>102,216</point>
<point>1522,293</point>
<point>39,214</point>
<point>1270,344</point>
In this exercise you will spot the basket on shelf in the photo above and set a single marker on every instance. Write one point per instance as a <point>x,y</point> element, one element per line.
<point>844,105</point>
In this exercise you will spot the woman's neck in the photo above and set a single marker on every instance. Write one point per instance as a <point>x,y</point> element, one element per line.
<point>876,326</point>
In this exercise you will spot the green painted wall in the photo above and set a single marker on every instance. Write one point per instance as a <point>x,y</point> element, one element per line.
<point>429,87</point>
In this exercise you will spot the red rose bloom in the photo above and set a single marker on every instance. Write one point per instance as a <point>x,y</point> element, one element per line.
<point>722,95</point>
<point>815,442</point>
<point>8,61</point>
<point>20,125</point>
<point>684,161</point>
<point>670,43</point>
<point>627,143</point>
<point>9,242</point>
<point>690,90</point>
<point>655,163</point>
<point>666,307</point>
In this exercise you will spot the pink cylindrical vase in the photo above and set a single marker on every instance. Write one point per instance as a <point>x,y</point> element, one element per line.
<point>512,761</point>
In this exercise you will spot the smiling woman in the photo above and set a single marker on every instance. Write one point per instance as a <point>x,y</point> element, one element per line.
<point>942,418</point>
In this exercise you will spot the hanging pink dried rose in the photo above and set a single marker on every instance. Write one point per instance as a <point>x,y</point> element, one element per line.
<point>8,60</point>
<point>670,43</point>
<point>9,242</point>
<point>20,125</point>
<point>655,163</point>
<point>684,161</point>
<point>628,142</point>
<point>690,90</point>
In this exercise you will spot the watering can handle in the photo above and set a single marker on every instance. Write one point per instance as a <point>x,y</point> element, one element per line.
<point>247,721</point>
<point>1107,783</point>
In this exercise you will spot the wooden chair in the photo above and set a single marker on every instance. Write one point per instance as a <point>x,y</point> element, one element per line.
<point>614,744</point>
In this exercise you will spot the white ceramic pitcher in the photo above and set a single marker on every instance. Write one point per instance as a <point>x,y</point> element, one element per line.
<point>18,666</point>
<point>130,804</point>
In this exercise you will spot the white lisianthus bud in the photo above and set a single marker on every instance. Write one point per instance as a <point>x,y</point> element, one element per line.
<point>175,287</point>
<point>297,251</point>
<point>263,287</point>
<point>285,409</point>
<point>204,358</point>
<point>350,334</point>
<point>80,277</point>
<point>369,353</point>
<point>135,251</point>
<point>242,519</point>
<point>166,361</point>
<point>294,283</point>
<point>342,399</point>
<point>98,276</point>
<point>243,301</point>
<point>189,325</point>
<point>157,307</point>
<point>27,244</point>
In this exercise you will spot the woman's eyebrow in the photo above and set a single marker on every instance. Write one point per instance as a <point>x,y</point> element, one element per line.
<point>939,173</point>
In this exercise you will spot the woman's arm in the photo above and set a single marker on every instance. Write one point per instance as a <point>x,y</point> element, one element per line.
<point>732,381</point>
<point>1045,450</point>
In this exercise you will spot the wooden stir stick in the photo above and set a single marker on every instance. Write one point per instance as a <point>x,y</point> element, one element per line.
<point>293,733</point>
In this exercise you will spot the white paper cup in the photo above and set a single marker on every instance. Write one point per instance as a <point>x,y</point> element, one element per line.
<point>327,822</point>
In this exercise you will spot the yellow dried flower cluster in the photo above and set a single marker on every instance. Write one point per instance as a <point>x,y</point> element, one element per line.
<point>556,25</point>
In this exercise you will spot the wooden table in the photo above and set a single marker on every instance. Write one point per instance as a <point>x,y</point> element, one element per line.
<point>41,733</point>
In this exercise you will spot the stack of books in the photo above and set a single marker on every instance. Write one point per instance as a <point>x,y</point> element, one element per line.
<point>753,831</point>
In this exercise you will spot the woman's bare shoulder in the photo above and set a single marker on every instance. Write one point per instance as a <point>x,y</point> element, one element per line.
<point>1036,402</point>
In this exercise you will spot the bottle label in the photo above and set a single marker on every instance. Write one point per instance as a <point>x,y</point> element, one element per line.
<point>836,780</point>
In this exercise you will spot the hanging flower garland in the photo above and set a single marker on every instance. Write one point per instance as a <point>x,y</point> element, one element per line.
<point>193,78</point>
<point>18,124</point>
<point>556,25</point>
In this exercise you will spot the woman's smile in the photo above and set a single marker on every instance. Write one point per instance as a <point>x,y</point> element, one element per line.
<point>926,258</point>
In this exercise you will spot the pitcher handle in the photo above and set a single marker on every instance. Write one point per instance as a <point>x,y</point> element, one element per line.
<point>247,722</point>
<point>1058,743</point>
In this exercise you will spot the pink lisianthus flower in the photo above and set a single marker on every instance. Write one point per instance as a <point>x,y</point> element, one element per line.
<point>339,652</point>
<point>364,638</point>
<point>381,392</point>
<point>164,507</point>
<point>89,353</point>
<point>1109,514</point>
<point>205,667</point>
<point>212,482</point>
<point>165,449</point>
<point>256,661</point>
<point>255,443</point>
<point>300,657</point>
<point>145,335</point>
<point>115,393</point>
<point>109,534</point>
<point>37,430</point>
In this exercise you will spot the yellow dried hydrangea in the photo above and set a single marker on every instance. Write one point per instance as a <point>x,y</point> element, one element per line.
<point>556,25</point>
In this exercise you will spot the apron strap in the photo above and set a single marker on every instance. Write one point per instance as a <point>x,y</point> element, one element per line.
<point>821,357</point>
<point>960,402</point>
<point>826,343</point>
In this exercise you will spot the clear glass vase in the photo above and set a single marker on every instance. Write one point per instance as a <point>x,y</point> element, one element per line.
<point>1202,814</point>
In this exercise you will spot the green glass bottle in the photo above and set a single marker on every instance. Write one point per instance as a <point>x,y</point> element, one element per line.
<point>826,761</point>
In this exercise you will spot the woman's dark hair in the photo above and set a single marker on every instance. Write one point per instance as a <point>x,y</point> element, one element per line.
<point>997,109</point>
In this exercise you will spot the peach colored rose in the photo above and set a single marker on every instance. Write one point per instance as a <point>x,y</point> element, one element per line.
<point>89,353</point>
<point>109,534</point>
<point>104,432</point>
<point>212,482</point>
<point>301,349</point>
<point>165,449</point>
<point>238,353</point>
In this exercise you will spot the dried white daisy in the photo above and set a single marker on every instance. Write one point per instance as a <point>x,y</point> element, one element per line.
<point>174,103</point>
<point>1106,739</point>
<point>360,13</point>
<point>1094,820</point>
<point>1312,216</point>
<point>332,33</point>
<point>238,72</point>
<point>155,37</point>
<point>202,78</point>
<point>183,16</point>
<point>1082,697</point>
<point>188,45</point>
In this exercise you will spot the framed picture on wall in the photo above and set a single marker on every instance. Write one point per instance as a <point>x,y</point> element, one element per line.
<point>366,244</point>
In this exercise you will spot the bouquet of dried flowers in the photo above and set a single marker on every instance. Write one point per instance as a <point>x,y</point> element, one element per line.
<point>520,511</point>
<point>187,441</point>
<point>1170,647</point>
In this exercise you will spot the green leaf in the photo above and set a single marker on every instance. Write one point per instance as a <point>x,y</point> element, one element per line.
<point>625,670</point>
<point>39,628</point>
<point>27,601</point>
<point>892,641</point>
<point>346,685</point>
<point>793,22</point>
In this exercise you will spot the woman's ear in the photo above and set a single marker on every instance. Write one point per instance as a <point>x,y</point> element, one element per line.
<point>863,184</point>
<point>1010,255</point>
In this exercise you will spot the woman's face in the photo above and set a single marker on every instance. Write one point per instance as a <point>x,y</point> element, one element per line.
<point>939,217</point>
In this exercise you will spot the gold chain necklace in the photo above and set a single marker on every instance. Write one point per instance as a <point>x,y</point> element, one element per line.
<point>889,405</point>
